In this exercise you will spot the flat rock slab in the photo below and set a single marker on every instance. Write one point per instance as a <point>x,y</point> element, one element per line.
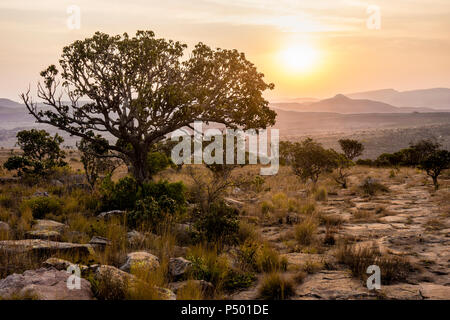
<point>42,247</point>
<point>44,234</point>
<point>49,225</point>
<point>434,291</point>
<point>44,284</point>
<point>333,285</point>
<point>402,291</point>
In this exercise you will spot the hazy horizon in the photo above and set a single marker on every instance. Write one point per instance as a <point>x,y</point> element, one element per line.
<point>308,49</point>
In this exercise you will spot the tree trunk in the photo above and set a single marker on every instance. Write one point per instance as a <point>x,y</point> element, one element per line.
<point>435,182</point>
<point>139,166</point>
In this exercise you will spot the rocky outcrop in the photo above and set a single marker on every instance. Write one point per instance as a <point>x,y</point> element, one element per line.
<point>42,247</point>
<point>111,214</point>
<point>43,284</point>
<point>129,282</point>
<point>140,259</point>
<point>333,285</point>
<point>4,227</point>
<point>48,225</point>
<point>434,291</point>
<point>100,242</point>
<point>44,235</point>
<point>178,267</point>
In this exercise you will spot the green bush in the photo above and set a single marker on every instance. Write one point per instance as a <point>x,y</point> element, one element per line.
<point>125,194</point>
<point>151,213</point>
<point>219,224</point>
<point>371,187</point>
<point>41,206</point>
<point>237,280</point>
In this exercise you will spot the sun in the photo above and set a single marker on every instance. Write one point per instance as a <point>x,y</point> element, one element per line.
<point>300,58</point>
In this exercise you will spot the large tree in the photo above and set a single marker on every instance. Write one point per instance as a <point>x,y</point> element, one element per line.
<point>141,88</point>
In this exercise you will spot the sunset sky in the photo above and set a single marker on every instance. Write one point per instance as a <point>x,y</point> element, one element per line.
<point>337,52</point>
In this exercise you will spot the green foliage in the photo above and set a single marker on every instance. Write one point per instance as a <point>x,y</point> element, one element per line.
<point>41,153</point>
<point>157,161</point>
<point>96,159</point>
<point>151,213</point>
<point>238,280</point>
<point>219,224</point>
<point>435,163</point>
<point>351,148</point>
<point>41,206</point>
<point>309,159</point>
<point>169,90</point>
<point>124,194</point>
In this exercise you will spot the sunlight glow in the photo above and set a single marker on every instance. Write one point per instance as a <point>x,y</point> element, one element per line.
<point>300,58</point>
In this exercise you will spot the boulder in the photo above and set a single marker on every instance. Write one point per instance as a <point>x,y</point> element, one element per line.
<point>135,238</point>
<point>206,287</point>
<point>333,285</point>
<point>5,180</point>
<point>434,291</point>
<point>234,203</point>
<point>110,214</point>
<point>39,194</point>
<point>4,227</point>
<point>43,247</point>
<point>48,225</point>
<point>58,264</point>
<point>100,242</point>
<point>140,259</point>
<point>129,281</point>
<point>179,267</point>
<point>44,235</point>
<point>43,284</point>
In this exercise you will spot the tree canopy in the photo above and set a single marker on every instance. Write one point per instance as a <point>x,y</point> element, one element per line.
<point>139,89</point>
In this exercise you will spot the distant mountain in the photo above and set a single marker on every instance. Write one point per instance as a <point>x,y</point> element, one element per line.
<point>343,104</point>
<point>7,103</point>
<point>436,98</point>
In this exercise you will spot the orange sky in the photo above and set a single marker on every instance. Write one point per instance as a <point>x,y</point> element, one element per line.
<point>410,50</point>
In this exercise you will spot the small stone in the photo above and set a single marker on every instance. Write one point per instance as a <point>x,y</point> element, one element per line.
<point>140,259</point>
<point>100,242</point>
<point>179,267</point>
<point>110,214</point>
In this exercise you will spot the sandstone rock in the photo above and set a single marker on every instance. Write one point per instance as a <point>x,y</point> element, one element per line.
<point>4,227</point>
<point>434,291</point>
<point>135,238</point>
<point>403,291</point>
<point>38,194</point>
<point>5,180</point>
<point>234,203</point>
<point>206,287</point>
<point>140,259</point>
<point>58,264</point>
<point>48,225</point>
<point>43,284</point>
<point>100,242</point>
<point>56,182</point>
<point>178,267</point>
<point>333,285</point>
<point>110,214</point>
<point>44,235</point>
<point>129,281</point>
<point>42,247</point>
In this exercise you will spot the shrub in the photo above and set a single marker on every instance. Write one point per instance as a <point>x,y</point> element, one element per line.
<point>308,208</point>
<point>41,153</point>
<point>219,224</point>
<point>269,260</point>
<point>321,194</point>
<point>41,206</point>
<point>276,287</point>
<point>358,258</point>
<point>237,280</point>
<point>208,265</point>
<point>150,214</point>
<point>279,200</point>
<point>351,148</point>
<point>266,207</point>
<point>304,232</point>
<point>124,194</point>
<point>371,187</point>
